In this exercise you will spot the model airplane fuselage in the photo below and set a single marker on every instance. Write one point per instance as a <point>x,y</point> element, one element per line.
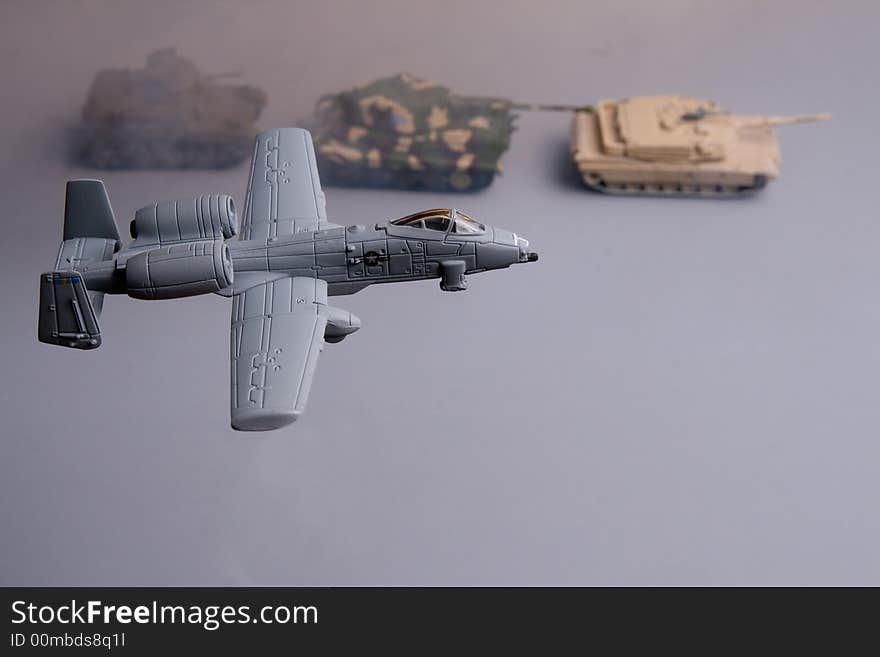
<point>351,258</point>
<point>288,260</point>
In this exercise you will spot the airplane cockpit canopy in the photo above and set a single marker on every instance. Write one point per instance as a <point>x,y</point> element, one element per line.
<point>440,218</point>
<point>437,219</point>
<point>464,225</point>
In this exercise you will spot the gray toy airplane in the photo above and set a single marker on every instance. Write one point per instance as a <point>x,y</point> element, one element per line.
<point>288,260</point>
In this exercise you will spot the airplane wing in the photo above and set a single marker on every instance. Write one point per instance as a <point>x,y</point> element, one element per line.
<point>277,334</point>
<point>278,325</point>
<point>284,194</point>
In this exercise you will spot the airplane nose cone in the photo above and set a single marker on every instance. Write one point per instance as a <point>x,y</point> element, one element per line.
<point>525,255</point>
<point>505,249</point>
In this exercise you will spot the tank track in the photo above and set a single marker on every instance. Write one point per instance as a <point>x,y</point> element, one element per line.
<point>434,180</point>
<point>105,149</point>
<point>596,183</point>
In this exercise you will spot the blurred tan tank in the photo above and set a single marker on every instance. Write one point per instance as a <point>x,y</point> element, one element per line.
<point>676,146</point>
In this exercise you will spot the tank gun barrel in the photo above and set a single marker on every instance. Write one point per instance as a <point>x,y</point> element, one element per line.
<point>223,76</point>
<point>544,107</point>
<point>774,121</point>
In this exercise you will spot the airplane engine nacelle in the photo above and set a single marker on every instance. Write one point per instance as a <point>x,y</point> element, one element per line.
<point>206,217</point>
<point>340,323</point>
<point>179,270</point>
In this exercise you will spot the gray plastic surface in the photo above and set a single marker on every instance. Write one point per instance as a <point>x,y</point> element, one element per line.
<point>66,316</point>
<point>206,217</point>
<point>87,211</point>
<point>179,270</point>
<point>277,334</point>
<point>284,191</point>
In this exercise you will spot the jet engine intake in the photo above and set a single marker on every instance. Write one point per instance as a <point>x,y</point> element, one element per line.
<point>179,270</point>
<point>340,323</point>
<point>206,217</point>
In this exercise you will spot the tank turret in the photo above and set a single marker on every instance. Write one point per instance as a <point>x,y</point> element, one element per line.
<point>676,145</point>
<point>409,133</point>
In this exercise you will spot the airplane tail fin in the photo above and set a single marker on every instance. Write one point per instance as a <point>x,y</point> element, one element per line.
<point>69,312</point>
<point>67,316</point>
<point>87,211</point>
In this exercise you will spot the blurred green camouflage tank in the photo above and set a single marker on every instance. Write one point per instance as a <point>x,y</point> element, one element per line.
<point>168,116</point>
<point>408,133</point>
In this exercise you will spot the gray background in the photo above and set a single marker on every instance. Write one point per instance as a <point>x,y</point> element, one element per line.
<point>679,392</point>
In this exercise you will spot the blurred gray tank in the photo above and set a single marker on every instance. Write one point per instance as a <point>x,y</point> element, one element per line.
<point>168,116</point>
<point>408,133</point>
